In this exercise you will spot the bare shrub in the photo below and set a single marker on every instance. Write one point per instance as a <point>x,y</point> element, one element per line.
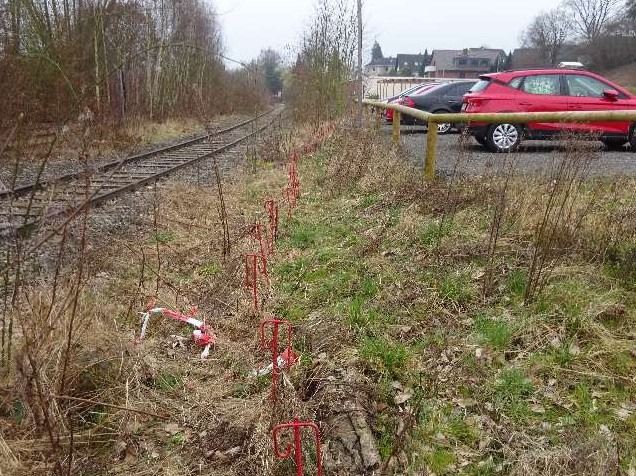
<point>319,86</point>
<point>562,212</point>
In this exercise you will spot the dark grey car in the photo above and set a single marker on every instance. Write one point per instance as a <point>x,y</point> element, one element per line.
<point>442,99</point>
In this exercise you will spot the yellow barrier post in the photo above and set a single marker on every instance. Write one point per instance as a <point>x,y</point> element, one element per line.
<point>396,127</point>
<point>377,119</point>
<point>431,151</point>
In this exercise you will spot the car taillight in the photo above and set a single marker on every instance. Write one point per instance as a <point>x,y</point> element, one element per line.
<point>476,102</point>
<point>408,102</point>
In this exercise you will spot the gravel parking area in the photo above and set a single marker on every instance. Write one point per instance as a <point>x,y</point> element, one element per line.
<point>465,156</point>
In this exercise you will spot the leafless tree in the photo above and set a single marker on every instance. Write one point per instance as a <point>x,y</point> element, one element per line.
<point>591,17</point>
<point>320,86</point>
<point>547,33</point>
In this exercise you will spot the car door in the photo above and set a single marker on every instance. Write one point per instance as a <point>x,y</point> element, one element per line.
<point>454,95</point>
<point>587,94</point>
<point>543,93</point>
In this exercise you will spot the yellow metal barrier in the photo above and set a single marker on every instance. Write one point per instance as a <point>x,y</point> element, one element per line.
<point>491,118</point>
<point>397,120</point>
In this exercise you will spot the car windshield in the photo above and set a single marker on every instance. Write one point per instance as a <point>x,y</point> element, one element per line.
<point>480,86</point>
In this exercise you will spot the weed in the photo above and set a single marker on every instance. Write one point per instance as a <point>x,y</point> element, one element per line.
<point>355,314</point>
<point>495,332</point>
<point>178,439</point>
<point>164,236</point>
<point>516,282</point>
<point>209,269</point>
<point>433,232</point>
<point>440,460</point>
<point>369,200</point>
<point>456,287</point>
<point>385,444</point>
<point>385,356</point>
<point>459,429</point>
<point>510,392</point>
<point>166,381</point>
<point>303,235</point>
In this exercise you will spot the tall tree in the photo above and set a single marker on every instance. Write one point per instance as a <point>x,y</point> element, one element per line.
<point>270,64</point>
<point>376,52</point>
<point>547,33</point>
<point>591,17</point>
<point>631,9</point>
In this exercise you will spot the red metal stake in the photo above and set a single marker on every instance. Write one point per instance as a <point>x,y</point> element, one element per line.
<point>287,195</point>
<point>273,346</point>
<point>255,232</point>
<point>251,271</point>
<point>271,207</point>
<point>294,182</point>
<point>297,426</point>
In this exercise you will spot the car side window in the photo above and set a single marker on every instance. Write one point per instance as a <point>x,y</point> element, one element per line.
<point>452,91</point>
<point>584,86</point>
<point>516,82</point>
<point>545,84</point>
<point>463,88</point>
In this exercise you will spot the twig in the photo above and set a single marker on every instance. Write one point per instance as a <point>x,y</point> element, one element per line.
<point>119,407</point>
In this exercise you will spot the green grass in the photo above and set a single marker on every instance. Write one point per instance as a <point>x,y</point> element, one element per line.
<point>413,305</point>
<point>456,287</point>
<point>440,460</point>
<point>496,333</point>
<point>164,236</point>
<point>166,381</point>
<point>510,392</point>
<point>385,356</point>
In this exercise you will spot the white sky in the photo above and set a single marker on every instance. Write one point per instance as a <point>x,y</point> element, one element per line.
<point>400,26</point>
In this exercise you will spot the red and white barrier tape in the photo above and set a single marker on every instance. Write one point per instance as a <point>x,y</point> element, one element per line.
<point>203,336</point>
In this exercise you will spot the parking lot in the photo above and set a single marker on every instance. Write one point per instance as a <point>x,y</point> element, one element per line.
<point>465,156</point>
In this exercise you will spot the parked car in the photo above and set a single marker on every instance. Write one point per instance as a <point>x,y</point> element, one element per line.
<point>547,90</point>
<point>421,89</point>
<point>402,93</point>
<point>445,98</point>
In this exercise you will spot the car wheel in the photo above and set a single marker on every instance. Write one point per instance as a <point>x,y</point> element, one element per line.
<point>503,137</point>
<point>632,138</point>
<point>613,144</point>
<point>481,140</point>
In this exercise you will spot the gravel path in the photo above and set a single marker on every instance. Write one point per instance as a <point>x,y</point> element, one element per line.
<point>531,157</point>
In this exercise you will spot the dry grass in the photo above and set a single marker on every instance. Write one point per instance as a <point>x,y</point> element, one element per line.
<point>408,366</point>
<point>213,414</point>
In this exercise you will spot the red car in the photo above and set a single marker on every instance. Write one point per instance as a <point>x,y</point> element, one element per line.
<point>547,90</point>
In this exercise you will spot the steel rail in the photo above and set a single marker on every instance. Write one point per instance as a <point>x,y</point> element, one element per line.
<point>41,185</point>
<point>106,187</point>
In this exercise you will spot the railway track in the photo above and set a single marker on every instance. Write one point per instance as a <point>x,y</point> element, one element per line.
<point>24,207</point>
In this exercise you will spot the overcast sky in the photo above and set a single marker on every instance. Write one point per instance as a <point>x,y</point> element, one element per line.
<point>400,26</point>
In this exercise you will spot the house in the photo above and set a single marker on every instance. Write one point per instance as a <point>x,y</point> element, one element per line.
<point>412,64</point>
<point>381,66</point>
<point>466,63</point>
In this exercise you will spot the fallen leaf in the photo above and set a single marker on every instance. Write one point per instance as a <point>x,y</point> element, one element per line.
<point>402,397</point>
<point>171,428</point>
<point>536,408</point>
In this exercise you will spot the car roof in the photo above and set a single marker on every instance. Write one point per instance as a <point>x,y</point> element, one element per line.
<point>442,86</point>
<point>506,76</point>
